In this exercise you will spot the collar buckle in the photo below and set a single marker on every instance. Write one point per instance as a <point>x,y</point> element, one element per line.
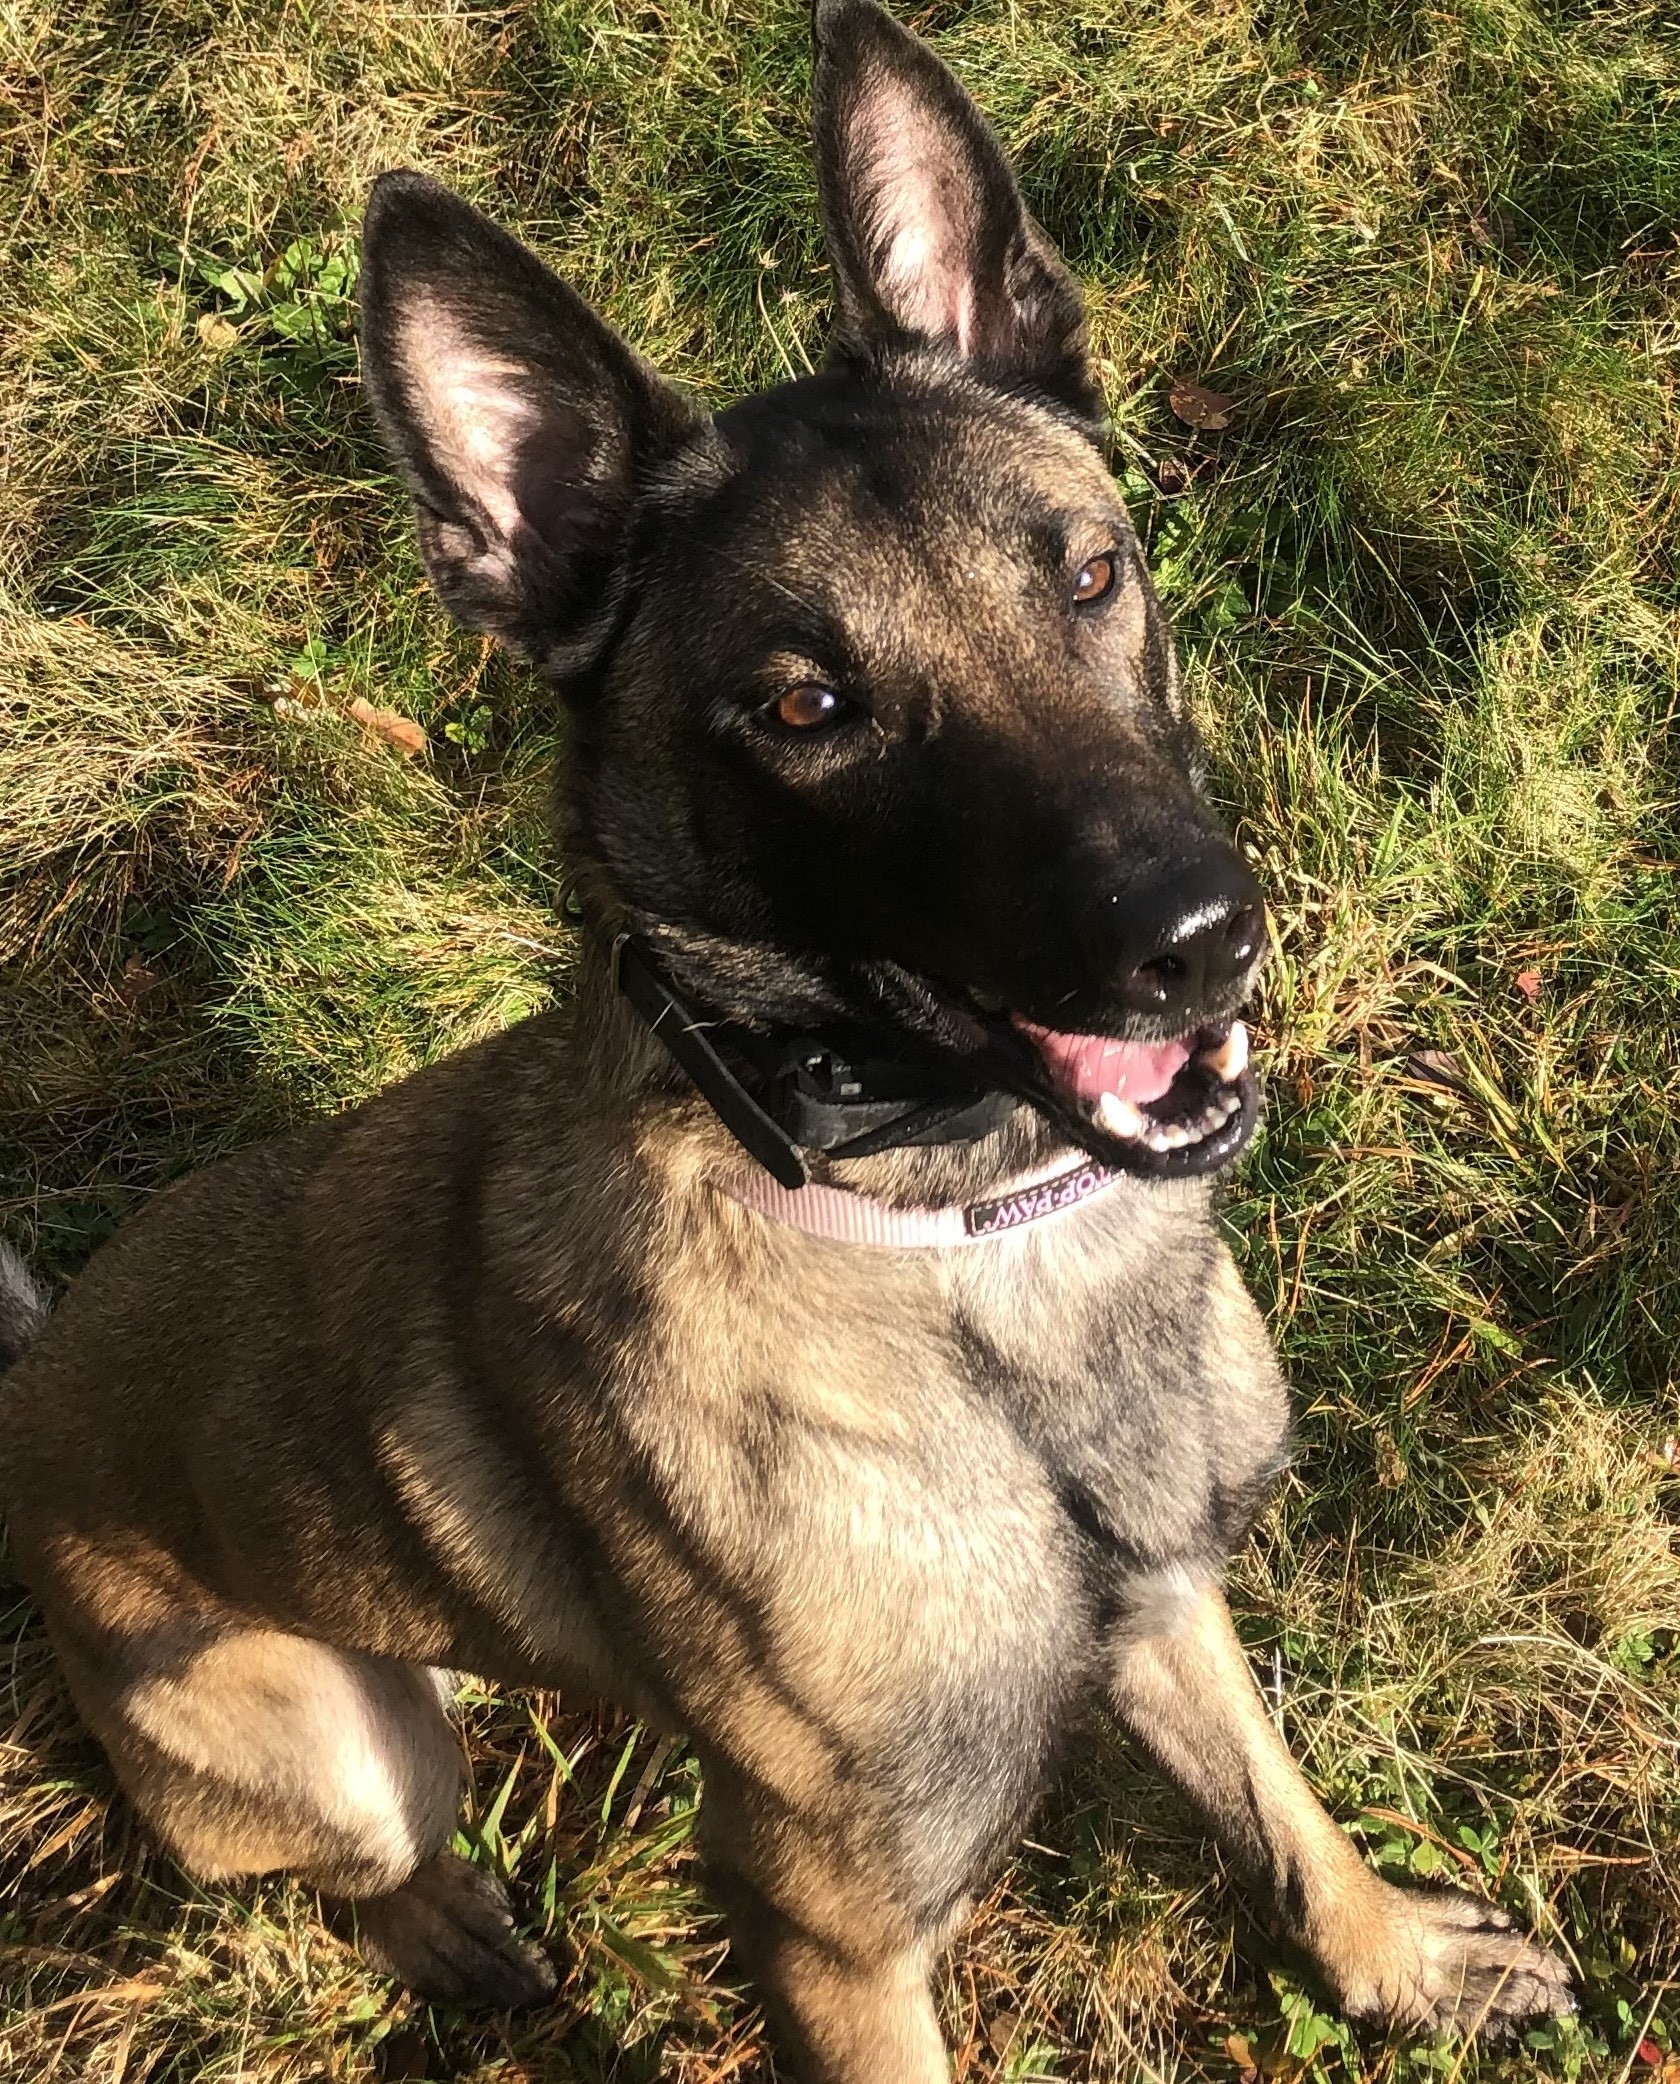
<point>832,1093</point>
<point>683,1033</point>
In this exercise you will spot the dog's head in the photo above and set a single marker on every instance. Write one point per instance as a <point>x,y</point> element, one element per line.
<point>874,712</point>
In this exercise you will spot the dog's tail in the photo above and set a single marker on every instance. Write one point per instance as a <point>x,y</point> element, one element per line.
<point>23,1308</point>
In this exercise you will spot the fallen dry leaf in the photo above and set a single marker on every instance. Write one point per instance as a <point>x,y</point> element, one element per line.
<point>137,982</point>
<point>1173,475</point>
<point>1198,407</point>
<point>1439,1067</point>
<point>396,730</point>
<point>217,333</point>
<point>1002,2032</point>
<point>1528,983</point>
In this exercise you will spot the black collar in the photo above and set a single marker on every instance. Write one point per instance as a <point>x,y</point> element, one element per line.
<point>782,1094</point>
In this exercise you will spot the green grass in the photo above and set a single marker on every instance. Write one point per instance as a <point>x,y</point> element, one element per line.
<point>1427,587</point>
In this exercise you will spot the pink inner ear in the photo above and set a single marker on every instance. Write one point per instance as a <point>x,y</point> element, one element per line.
<point>473,407</point>
<point>914,193</point>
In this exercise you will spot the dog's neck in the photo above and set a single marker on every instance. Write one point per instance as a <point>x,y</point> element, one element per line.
<point>622,1051</point>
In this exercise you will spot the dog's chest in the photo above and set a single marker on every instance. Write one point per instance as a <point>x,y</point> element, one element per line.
<point>983,1431</point>
<point>1136,1373</point>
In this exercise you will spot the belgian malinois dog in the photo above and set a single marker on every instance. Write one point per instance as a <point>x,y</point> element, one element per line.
<point>815,1336</point>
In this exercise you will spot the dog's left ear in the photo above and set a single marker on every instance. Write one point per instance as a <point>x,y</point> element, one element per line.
<point>524,425</point>
<point>928,236</point>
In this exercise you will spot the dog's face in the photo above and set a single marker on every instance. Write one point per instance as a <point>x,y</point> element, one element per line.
<point>874,711</point>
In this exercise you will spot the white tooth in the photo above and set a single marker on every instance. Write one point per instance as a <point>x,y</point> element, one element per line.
<point>1117,1117</point>
<point>1230,1059</point>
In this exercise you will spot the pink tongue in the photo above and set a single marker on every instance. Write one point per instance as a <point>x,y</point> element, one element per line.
<point>1091,1065</point>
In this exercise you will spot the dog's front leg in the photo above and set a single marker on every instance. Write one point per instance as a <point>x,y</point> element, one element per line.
<point>814,1920</point>
<point>1412,1958</point>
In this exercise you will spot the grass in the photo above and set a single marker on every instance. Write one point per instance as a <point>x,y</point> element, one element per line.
<point>1427,588</point>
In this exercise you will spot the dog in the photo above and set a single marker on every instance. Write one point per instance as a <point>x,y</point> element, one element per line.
<point>815,1335</point>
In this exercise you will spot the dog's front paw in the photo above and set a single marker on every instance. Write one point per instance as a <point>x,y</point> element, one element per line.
<point>1422,1961</point>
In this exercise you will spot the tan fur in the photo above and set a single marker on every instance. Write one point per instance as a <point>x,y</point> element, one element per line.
<point>340,1768</point>
<point>789,1650</point>
<point>783,1611</point>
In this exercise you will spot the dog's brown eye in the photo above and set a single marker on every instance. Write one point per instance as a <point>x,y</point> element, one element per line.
<point>804,707</point>
<point>1093,580</point>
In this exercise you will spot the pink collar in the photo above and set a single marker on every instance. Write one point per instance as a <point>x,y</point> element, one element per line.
<point>858,1219</point>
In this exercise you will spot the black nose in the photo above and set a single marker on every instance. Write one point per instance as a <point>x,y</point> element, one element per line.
<point>1174,944</point>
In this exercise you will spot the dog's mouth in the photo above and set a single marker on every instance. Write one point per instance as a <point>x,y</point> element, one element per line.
<point>1175,1108</point>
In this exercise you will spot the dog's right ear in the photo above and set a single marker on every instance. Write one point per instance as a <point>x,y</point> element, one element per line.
<point>521,421</point>
<point>930,241</point>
